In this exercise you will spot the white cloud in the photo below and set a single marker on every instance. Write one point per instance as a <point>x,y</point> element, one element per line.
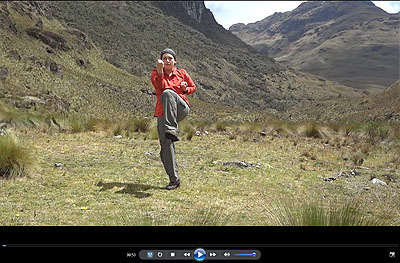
<point>390,7</point>
<point>228,13</point>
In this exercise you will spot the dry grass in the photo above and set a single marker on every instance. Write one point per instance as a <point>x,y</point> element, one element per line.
<point>132,179</point>
<point>316,212</point>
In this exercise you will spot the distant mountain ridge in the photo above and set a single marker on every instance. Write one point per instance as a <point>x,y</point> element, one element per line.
<point>354,43</point>
<point>95,58</point>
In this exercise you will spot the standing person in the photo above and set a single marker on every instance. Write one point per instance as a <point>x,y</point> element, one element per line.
<point>171,85</point>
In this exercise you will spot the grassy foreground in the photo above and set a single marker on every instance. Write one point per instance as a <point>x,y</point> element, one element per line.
<point>103,180</point>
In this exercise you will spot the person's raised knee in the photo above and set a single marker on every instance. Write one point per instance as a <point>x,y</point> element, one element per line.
<point>167,92</point>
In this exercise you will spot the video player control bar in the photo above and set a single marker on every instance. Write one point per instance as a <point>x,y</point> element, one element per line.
<point>199,254</point>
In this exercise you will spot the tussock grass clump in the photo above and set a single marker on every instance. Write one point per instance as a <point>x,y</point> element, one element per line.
<point>334,127</point>
<point>209,216</point>
<point>15,160</point>
<point>281,127</point>
<point>312,129</point>
<point>152,133</point>
<point>20,119</point>
<point>314,212</point>
<point>396,131</point>
<point>251,127</point>
<point>141,125</point>
<point>357,158</point>
<point>117,130</point>
<point>350,129</point>
<point>232,136</point>
<point>309,155</point>
<point>8,115</point>
<point>202,125</point>
<point>221,126</point>
<point>94,124</point>
<point>189,132</point>
<point>396,159</point>
<point>77,124</point>
<point>376,133</point>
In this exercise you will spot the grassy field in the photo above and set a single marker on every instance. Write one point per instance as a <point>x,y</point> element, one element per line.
<point>103,180</point>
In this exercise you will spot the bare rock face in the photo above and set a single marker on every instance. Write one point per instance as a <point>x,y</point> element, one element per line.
<point>194,9</point>
<point>82,37</point>
<point>5,22</point>
<point>196,15</point>
<point>54,40</point>
<point>191,9</point>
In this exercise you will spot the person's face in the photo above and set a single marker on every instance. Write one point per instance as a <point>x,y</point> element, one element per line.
<point>169,61</point>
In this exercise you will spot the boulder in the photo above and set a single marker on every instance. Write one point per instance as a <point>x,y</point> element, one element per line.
<point>242,164</point>
<point>54,40</point>
<point>84,63</point>
<point>3,73</point>
<point>377,181</point>
<point>54,67</point>
<point>39,24</point>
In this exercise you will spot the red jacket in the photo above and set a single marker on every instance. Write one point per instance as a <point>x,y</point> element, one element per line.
<point>173,82</point>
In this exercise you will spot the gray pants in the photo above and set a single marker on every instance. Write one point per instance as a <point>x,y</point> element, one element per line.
<point>175,110</point>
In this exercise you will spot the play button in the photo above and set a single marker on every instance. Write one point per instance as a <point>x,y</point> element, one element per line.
<point>199,254</point>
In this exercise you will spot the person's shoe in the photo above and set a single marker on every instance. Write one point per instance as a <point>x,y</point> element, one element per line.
<point>173,136</point>
<point>173,185</point>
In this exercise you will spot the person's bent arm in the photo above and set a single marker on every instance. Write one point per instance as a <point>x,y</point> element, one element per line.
<point>190,86</point>
<point>157,76</point>
<point>160,66</point>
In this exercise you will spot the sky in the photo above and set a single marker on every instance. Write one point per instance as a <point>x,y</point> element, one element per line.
<point>228,13</point>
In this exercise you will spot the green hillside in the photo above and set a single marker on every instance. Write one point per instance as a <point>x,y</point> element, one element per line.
<point>132,33</point>
<point>58,68</point>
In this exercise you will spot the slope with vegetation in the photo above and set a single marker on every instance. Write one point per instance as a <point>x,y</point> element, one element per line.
<point>351,42</point>
<point>224,73</point>
<point>48,66</point>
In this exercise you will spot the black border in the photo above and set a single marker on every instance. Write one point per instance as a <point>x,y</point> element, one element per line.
<point>99,244</point>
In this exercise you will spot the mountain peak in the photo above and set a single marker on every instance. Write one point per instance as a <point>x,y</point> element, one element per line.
<point>340,40</point>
